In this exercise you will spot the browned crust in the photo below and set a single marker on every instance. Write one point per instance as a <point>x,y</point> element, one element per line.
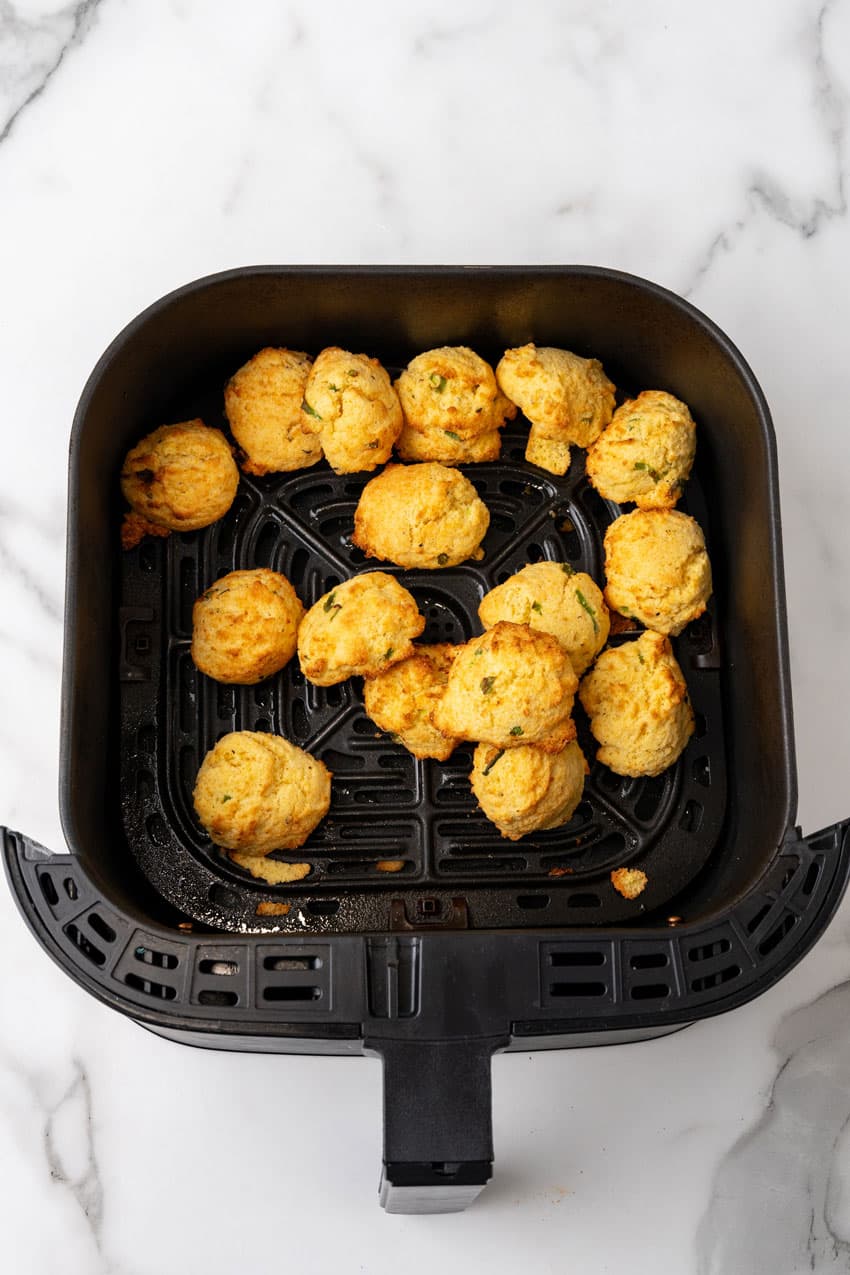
<point>135,527</point>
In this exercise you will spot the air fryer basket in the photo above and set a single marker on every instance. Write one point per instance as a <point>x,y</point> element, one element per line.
<point>474,944</point>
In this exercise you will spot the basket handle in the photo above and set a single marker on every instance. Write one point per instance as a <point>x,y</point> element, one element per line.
<point>438,1125</point>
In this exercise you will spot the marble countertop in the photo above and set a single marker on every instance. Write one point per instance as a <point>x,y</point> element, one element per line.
<point>705,147</point>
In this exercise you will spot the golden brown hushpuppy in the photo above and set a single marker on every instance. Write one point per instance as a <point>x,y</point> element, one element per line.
<point>452,392</point>
<point>360,628</point>
<point>523,790</point>
<point>567,399</point>
<point>262,402</point>
<point>403,699</point>
<point>256,793</point>
<point>420,516</point>
<point>511,686</point>
<point>178,478</point>
<point>350,403</point>
<point>553,598</point>
<point>646,453</point>
<point>245,626</point>
<point>637,702</point>
<point>657,569</point>
<point>448,448</point>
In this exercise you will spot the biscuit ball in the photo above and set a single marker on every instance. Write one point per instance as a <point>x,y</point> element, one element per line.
<point>360,628</point>
<point>454,391</point>
<point>553,598</point>
<point>256,793</point>
<point>523,790</point>
<point>179,478</point>
<point>262,402</point>
<point>637,702</point>
<point>646,453</point>
<point>448,448</point>
<point>403,699</point>
<point>657,568</point>
<point>509,687</point>
<point>349,402</point>
<point>424,516</point>
<point>245,626</point>
<point>568,398</point>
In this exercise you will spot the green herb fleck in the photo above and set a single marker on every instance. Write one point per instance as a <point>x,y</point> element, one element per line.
<point>567,569</point>
<point>442,559</point>
<point>535,606</point>
<point>487,684</point>
<point>374,445</point>
<point>389,652</point>
<point>586,420</point>
<point>653,473</point>
<point>478,652</point>
<point>333,387</point>
<point>451,434</point>
<point>311,411</point>
<point>491,764</point>
<point>517,730</point>
<point>588,608</point>
<point>329,600</point>
<point>438,382</point>
<point>352,371</point>
<point>640,656</point>
<point>226,797</point>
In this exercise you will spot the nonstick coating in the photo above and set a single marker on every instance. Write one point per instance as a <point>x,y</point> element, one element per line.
<point>386,805</point>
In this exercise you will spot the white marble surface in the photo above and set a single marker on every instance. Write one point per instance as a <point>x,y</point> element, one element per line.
<point>143,144</point>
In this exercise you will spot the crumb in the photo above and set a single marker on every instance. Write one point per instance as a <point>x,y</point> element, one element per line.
<point>390,865</point>
<point>134,528</point>
<point>560,872</point>
<point>622,623</point>
<point>272,870</point>
<point>272,909</point>
<point>630,882</point>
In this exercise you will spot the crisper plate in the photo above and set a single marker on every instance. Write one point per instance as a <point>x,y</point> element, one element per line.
<point>386,805</point>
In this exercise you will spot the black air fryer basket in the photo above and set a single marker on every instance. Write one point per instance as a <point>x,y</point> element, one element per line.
<point>471,944</point>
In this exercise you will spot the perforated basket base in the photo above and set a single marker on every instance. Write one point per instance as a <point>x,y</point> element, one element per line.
<point>456,868</point>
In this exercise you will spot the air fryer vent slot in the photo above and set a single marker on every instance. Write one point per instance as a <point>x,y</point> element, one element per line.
<point>279,963</point>
<point>649,961</point>
<point>48,888</point>
<point>295,978</point>
<point>298,992</point>
<point>149,956</point>
<point>707,981</point>
<point>160,991</point>
<point>84,944</point>
<point>706,951</point>
<point>577,958</point>
<point>649,991</point>
<point>577,988</point>
<point>221,969</point>
<point>220,999</point>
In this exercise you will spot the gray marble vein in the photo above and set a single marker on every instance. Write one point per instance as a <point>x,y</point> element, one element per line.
<point>764,193</point>
<point>32,50</point>
<point>75,1110</point>
<point>773,1207</point>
